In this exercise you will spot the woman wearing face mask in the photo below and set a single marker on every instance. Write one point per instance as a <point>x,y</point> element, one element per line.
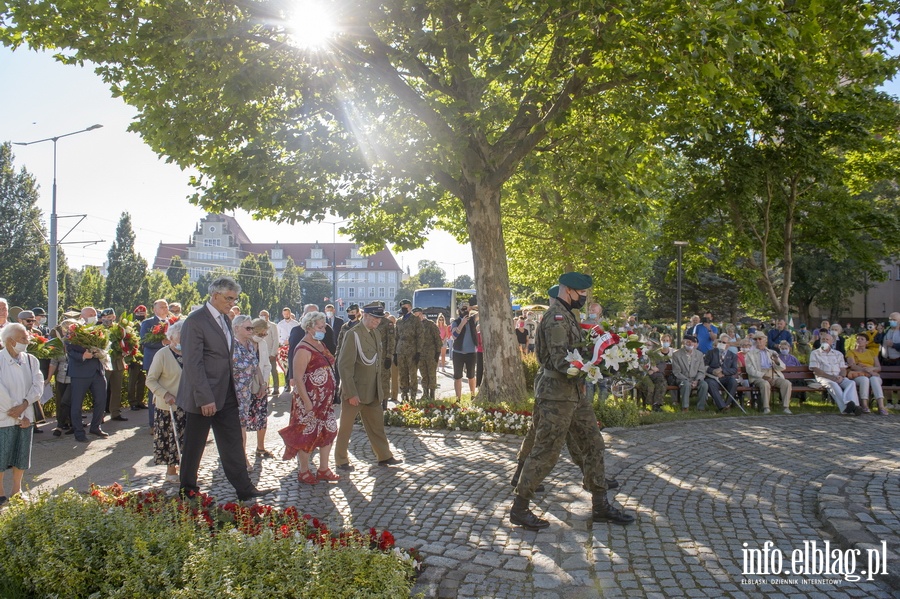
<point>249,385</point>
<point>21,385</point>
<point>163,379</point>
<point>784,349</point>
<point>865,369</point>
<point>312,407</point>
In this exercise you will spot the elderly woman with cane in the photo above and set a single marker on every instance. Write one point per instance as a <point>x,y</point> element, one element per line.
<point>21,385</point>
<point>168,425</point>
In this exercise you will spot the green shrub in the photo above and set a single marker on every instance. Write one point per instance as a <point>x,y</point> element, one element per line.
<point>618,411</point>
<point>71,545</point>
<point>530,367</point>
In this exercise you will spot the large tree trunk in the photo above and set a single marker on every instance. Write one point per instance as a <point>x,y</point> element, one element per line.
<point>504,379</point>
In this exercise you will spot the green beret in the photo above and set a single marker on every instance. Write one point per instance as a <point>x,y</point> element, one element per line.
<point>576,280</point>
<point>553,292</point>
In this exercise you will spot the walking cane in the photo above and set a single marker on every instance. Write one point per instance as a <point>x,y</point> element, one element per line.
<point>730,396</point>
<point>175,432</point>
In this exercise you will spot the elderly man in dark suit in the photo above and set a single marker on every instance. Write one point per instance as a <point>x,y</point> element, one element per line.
<point>721,366</point>
<point>87,372</point>
<point>206,392</point>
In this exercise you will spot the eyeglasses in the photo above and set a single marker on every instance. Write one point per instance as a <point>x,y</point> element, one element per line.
<point>231,299</point>
<point>29,320</point>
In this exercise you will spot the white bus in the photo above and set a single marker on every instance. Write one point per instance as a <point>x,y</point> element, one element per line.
<point>441,300</point>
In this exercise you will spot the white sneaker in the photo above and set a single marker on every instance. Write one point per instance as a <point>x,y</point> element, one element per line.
<point>788,411</point>
<point>767,411</point>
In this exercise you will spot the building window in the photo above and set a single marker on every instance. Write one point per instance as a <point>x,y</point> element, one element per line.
<point>391,292</point>
<point>392,277</point>
<point>212,242</point>
<point>277,254</point>
<point>381,276</point>
<point>381,292</point>
<point>372,277</point>
<point>340,292</point>
<point>316,253</point>
<point>371,292</point>
<point>362,292</point>
<point>351,292</point>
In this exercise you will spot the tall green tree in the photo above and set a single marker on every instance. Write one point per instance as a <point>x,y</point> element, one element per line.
<point>431,275</point>
<point>91,289</point>
<point>126,271</point>
<point>157,286</point>
<point>248,277</point>
<point>268,286</point>
<point>315,287</point>
<point>176,270</point>
<point>25,259</point>
<point>185,293</point>
<point>289,292</point>
<point>463,282</point>
<point>418,113</point>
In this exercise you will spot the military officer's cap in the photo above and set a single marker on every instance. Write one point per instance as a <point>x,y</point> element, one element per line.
<point>353,307</point>
<point>553,292</point>
<point>374,309</point>
<point>576,280</point>
<point>405,302</point>
<point>417,310</point>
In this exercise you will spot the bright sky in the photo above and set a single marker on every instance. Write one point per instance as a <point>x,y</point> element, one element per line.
<point>105,172</point>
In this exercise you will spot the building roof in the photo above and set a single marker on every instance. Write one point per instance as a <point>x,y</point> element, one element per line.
<point>299,252</point>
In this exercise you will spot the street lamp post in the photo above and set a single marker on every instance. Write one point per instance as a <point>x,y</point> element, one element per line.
<point>334,279</point>
<point>454,265</point>
<point>679,245</point>
<point>53,283</point>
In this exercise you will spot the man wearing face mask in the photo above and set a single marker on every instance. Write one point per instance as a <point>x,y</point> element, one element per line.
<point>465,346</point>
<point>352,321</point>
<point>410,340</point>
<point>721,368</point>
<point>690,373</point>
<point>764,369</point>
<point>830,369</point>
<point>41,323</point>
<point>335,322</point>
<point>560,409</point>
<point>87,372</point>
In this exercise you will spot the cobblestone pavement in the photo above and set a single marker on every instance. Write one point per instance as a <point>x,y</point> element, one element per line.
<point>700,491</point>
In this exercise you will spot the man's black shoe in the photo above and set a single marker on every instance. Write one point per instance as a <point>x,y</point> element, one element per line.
<point>346,467</point>
<point>524,517</point>
<point>81,438</point>
<point>604,512</point>
<point>390,462</point>
<point>70,431</point>
<point>256,493</point>
<point>120,418</point>
<point>98,433</point>
<point>852,409</point>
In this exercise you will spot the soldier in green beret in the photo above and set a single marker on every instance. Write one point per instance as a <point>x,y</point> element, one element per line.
<point>560,408</point>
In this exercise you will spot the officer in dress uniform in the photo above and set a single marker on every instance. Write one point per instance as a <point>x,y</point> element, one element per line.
<point>560,408</point>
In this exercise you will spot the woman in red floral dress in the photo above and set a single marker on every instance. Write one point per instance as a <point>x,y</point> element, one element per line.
<point>312,408</point>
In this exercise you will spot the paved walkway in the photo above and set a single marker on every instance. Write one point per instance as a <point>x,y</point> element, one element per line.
<point>700,490</point>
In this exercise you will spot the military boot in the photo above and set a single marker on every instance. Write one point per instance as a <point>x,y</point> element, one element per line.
<point>604,512</point>
<point>524,517</point>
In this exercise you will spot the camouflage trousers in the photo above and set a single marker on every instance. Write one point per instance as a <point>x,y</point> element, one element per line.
<point>554,423</point>
<point>652,388</point>
<point>409,380</point>
<point>428,370</point>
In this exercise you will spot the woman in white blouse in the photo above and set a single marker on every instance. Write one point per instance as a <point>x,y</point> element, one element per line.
<point>21,385</point>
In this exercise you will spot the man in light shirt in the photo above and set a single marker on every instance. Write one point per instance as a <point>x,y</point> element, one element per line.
<point>287,323</point>
<point>831,371</point>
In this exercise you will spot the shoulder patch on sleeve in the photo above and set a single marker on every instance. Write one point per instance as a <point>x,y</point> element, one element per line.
<point>558,317</point>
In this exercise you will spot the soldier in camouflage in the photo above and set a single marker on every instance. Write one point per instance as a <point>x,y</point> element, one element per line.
<point>561,408</point>
<point>431,353</point>
<point>386,329</point>
<point>408,350</point>
<point>571,443</point>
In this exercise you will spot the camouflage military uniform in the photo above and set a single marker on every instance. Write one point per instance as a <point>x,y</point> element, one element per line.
<point>431,351</point>
<point>408,351</point>
<point>561,408</point>
<point>386,331</point>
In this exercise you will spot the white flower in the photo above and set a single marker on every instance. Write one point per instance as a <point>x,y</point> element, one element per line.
<point>572,371</point>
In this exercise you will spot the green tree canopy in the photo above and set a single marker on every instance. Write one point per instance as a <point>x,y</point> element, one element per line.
<point>431,275</point>
<point>176,270</point>
<point>24,261</point>
<point>126,271</point>
<point>289,293</point>
<point>91,289</point>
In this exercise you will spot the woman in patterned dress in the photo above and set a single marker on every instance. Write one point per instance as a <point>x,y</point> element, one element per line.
<point>252,408</point>
<point>312,405</point>
<point>163,379</point>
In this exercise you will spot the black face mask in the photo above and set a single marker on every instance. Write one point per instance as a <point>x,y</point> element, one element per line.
<point>351,316</point>
<point>579,301</point>
<point>404,310</point>
<point>139,317</point>
<point>463,312</point>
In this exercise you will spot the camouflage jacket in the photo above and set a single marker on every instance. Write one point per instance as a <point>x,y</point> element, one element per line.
<point>386,330</point>
<point>557,334</point>
<point>409,335</point>
<point>431,340</point>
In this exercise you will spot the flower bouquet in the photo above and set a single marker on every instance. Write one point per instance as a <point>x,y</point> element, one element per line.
<point>124,341</point>
<point>157,334</point>
<point>45,349</point>
<point>92,337</point>
<point>609,354</point>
